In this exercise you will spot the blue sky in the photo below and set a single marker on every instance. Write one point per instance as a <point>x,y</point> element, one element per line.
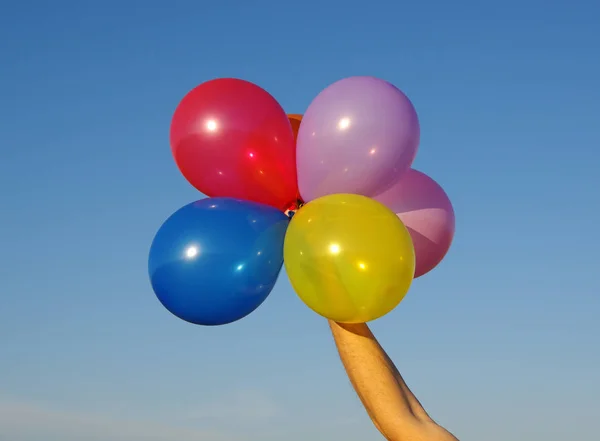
<point>499,342</point>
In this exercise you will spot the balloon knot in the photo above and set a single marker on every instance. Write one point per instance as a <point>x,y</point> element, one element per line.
<point>294,208</point>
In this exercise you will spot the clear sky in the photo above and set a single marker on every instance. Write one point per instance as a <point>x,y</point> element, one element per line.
<point>500,342</point>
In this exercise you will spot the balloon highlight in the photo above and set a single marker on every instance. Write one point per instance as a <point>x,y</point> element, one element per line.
<point>329,193</point>
<point>231,138</point>
<point>359,136</point>
<point>349,258</point>
<point>215,261</point>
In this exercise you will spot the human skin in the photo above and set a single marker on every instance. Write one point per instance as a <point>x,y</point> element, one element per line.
<point>393,408</point>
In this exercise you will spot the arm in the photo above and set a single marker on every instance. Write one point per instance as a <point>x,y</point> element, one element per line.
<point>393,408</point>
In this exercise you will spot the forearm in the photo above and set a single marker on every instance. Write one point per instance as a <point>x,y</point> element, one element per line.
<point>393,408</point>
<point>375,378</point>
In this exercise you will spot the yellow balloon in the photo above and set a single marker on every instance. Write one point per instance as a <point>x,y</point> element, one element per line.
<point>349,257</point>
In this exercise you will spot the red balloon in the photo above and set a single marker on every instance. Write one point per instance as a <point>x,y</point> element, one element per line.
<point>231,138</point>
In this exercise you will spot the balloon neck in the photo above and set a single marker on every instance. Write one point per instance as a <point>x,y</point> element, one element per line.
<point>293,208</point>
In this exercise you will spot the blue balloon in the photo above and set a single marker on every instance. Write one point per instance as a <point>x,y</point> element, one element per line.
<point>216,260</point>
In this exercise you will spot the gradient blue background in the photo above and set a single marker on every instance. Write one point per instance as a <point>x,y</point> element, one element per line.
<point>500,342</point>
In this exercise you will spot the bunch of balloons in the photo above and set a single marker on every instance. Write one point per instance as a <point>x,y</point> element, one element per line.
<point>331,194</point>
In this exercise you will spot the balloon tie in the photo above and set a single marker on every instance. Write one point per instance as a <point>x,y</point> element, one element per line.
<point>294,208</point>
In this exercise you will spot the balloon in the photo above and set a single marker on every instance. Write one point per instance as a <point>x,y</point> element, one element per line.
<point>427,212</point>
<point>359,136</point>
<point>295,121</point>
<point>349,258</point>
<point>216,260</point>
<point>231,138</point>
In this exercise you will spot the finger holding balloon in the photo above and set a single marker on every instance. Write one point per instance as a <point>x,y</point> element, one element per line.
<point>216,260</point>
<point>425,209</point>
<point>349,258</point>
<point>359,136</point>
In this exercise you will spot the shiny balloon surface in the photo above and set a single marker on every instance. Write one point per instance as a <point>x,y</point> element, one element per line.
<point>426,211</point>
<point>216,260</point>
<point>349,258</point>
<point>359,136</point>
<point>231,138</point>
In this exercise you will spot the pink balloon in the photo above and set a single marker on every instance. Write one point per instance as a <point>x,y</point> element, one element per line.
<point>427,212</point>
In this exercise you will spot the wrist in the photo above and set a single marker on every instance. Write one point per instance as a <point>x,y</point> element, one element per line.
<point>356,329</point>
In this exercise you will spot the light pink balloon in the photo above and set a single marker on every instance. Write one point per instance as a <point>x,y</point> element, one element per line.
<point>427,212</point>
